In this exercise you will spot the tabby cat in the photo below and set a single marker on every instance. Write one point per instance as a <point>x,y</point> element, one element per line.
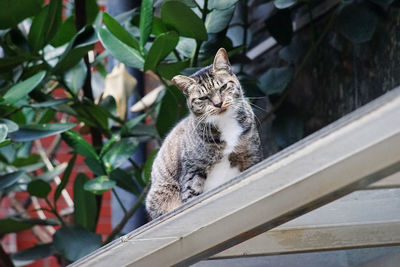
<point>216,142</point>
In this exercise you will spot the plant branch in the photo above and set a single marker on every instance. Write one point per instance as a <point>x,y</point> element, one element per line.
<point>119,201</point>
<point>97,142</point>
<point>127,216</point>
<point>195,57</point>
<point>134,164</point>
<point>54,211</point>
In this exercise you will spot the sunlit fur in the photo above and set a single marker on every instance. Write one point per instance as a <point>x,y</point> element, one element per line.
<point>213,144</point>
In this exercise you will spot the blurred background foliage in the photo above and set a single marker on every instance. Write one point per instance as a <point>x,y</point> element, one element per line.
<point>44,50</point>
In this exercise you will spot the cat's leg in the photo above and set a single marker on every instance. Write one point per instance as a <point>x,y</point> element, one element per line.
<point>192,185</point>
<point>162,198</point>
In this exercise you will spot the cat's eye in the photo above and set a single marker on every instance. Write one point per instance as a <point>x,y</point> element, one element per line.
<point>223,87</point>
<point>203,98</point>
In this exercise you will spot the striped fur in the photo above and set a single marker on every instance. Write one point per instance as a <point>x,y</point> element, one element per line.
<point>197,144</point>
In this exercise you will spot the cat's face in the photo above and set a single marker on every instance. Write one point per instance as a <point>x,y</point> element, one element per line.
<point>212,90</point>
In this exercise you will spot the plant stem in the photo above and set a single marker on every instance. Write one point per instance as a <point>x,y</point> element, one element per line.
<point>195,57</point>
<point>134,164</point>
<point>300,68</point>
<point>178,57</point>
<point>119,201</point>
<point>127,216</point>
<point>97,142</point>
<point>245,28</point>
<point>54,211</point>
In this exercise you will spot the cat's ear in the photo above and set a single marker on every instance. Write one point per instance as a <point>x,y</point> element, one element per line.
<point>182,82</point>
<point>221,61</point>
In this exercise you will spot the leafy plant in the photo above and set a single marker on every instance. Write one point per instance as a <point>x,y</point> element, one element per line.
<point>47,53</point>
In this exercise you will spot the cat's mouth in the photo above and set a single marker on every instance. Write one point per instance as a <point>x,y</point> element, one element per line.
<point>222,110</point>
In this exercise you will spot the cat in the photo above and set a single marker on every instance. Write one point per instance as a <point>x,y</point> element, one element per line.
<point>213,144</point>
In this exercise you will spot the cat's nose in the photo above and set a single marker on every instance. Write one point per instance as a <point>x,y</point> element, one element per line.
<point>218,105</point>
<point>217,101</point>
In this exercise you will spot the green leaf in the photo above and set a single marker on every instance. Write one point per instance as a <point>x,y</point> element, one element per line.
<point>293,52</point>
<point>124,53</point>
<point>76,76</point>
<point>24,161</point>
<point>3,132</point>
<point>148,166</point>
<point>108,103</point>
<point>5,143</point>
<point>65,33</point>
<point>45,25</point>
<point>46,115</point>
<point>92,115</point>
<point>124,180</point>
<point>92,9</point>
<point>50,175</point>
<point>157,29</point>
<point>181,18</point>
<point>284,3</point>
<point>85,207</point>
<point>275,80</point>
<point>51,103</point>
<point>8,63</point>
<point>27,256</point>
<point>65,178</point>
<point>130,124</point>
<point>95,166</point>
<point>13,12</point>
<point>189,3</point>
<point>99,185</point>
<point>357,23</point>
<point>169,70</point>
<point>118,31</point>
<point>143,130</point>
<point>173,108</point>
<point>75,242</point>
<point>146,20</point>
<point>13,225</point>
<point>9,179</point>
<point>218,20</point>
<point>81,44</point>
<point>280,26</point>
<point>32,132</point>
<point>22,89</point>
<point>39,188</point>
<point>162,46</point>
<point>221,4</point>
<point>119,152</point>
<point>79,144</point>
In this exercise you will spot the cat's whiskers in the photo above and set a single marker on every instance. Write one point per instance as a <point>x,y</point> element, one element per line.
<point>201,119</point>
<point>254,105</point>
<point>255,97</point>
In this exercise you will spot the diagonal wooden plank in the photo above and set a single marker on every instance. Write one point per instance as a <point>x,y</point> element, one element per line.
<point>362,219</point>
<point>349,154</point>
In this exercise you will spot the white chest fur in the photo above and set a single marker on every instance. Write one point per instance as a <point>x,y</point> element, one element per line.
<point>230,133</point>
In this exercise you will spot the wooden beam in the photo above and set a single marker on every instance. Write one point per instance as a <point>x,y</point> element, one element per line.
<point>353,152</point>
<point>392,181</point>
<point>362,219</point>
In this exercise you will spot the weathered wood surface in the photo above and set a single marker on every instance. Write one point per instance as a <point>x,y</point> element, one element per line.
<point>361,219</point>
